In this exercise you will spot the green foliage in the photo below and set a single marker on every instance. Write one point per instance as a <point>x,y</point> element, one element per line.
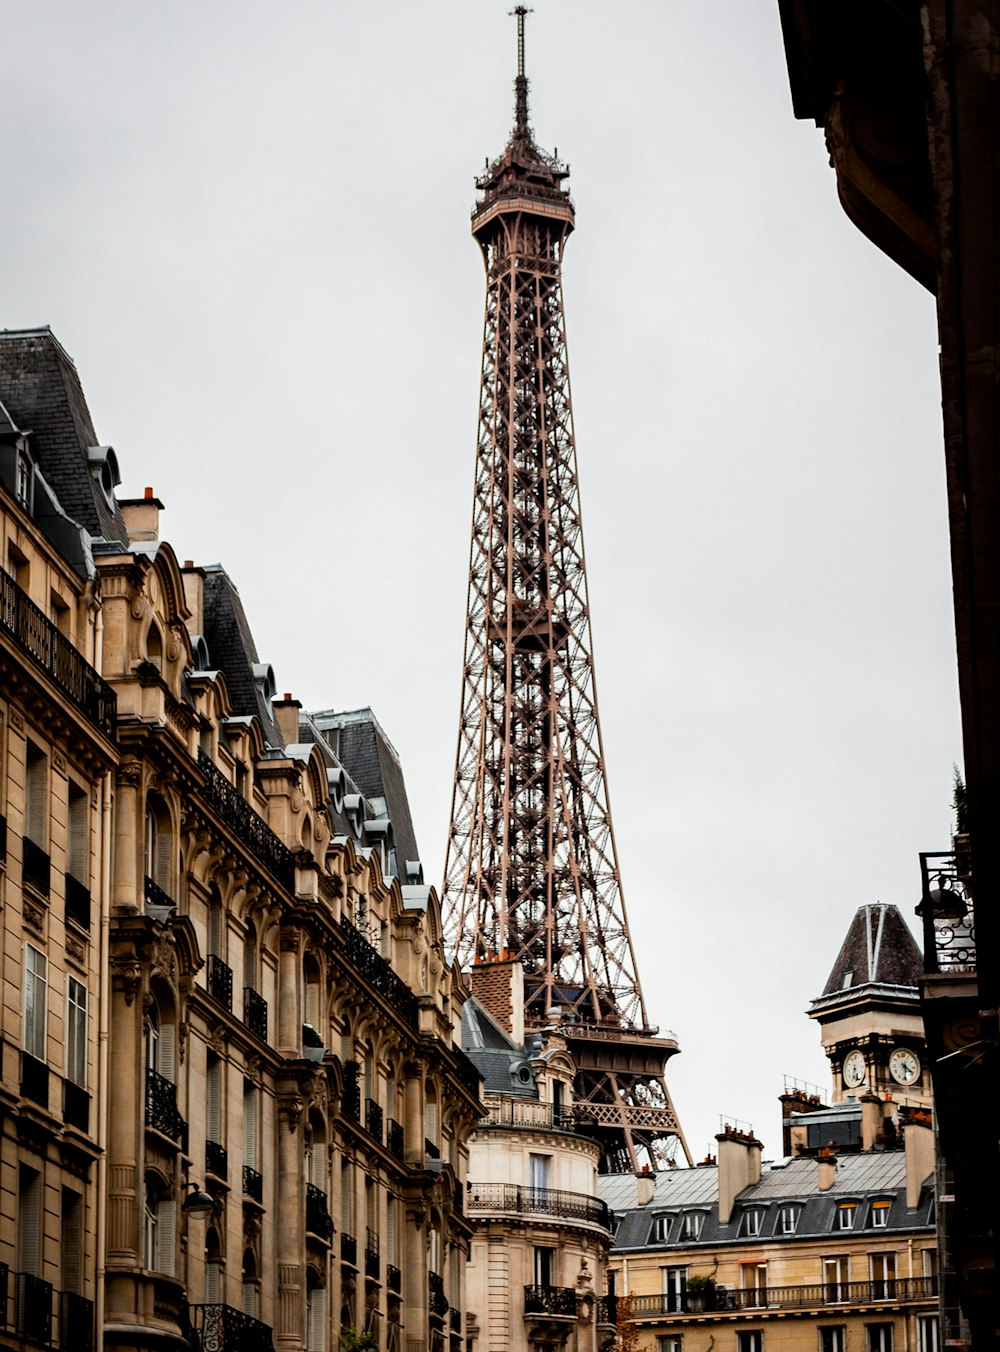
<point>960,803</point>
<point>353,1340</point>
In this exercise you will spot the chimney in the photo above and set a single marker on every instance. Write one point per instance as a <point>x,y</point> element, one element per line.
<point>142,517</point>
<point>872,1120</point>
<point>826,1169</point>
<point>739,1167</point>
<point>645,1188</point>
<point>194,596</point>
<point>286,715</point>
<point>918,1149</point>
<point>498,985</point>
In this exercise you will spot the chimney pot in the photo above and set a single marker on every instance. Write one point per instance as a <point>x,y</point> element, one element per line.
<point>148,493</point>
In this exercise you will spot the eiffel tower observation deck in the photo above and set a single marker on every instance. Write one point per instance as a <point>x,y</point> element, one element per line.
<point>531,872</point>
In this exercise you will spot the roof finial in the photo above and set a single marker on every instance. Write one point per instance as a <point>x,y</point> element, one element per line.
<point>521,83</point>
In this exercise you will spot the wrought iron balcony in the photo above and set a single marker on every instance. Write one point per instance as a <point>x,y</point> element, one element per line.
<point>319,1222</point>
<point>377,972</point>
<point>373,1267</point>
<point>458,1198</point>
<point>431,1151</point>
<point>34,1080</point>
<point>217,1160</point>
<point>161,1108</point>
<point>255,1012</point>
<point>721,1299</point>
<point>550,1300</point>
<point>511,1197</point>
<point>76,1323</point>
<point>245,824</point>
<point>348,1249</point>
<point>947,914</point>
<point>77,902</point>
<point>455,1316</point>
<point>607,1311</point>
<point>33,1305</point>
<point>36,868</point>
<point>35,634</point>
<point>373,1120</point>
<point>253,1184</point>
<point>393,1279</point>
<point>528,1115</point>
<point>219,980</point>
<point>221,1328</point>
<point>438,1299</point>
<point>155,895</point>
<point>395,1138</point>
<point>33,1309</point>
<point>350,1104</point>
<point>76,1106</point>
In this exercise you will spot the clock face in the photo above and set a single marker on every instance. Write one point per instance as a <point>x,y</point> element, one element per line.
<point>904,1066</point>
<point>854,1069</point>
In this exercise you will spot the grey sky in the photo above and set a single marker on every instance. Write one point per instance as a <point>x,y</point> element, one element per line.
<point>248,223</point>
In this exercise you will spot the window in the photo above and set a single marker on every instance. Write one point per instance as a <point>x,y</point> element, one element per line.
<point>158,1230</point>
<point>24,479</point>
<point>544,1265</point>
<point>691,1224</point>
<point>750,1341</point>
<point>29,1221</point>
<point>753,1280</point>
<point>250,1295</point>
<point>879,1337</point>
<point>71,1241</point>
<point>788,1219</point>
<point>36,989</point>
<point>315,1316</point>
<point>929,1262</point>
<point>844,1219</point>
<point>751,1222</point>
<point>882,1269</point>
<point>660,1229</point>
<point>76,834</point>
<point>36,795</point>
<point>76,1031</point>
<point>670,1343</point>
<point>832,1338</point>
<point>928,1335</point>
<point>836,1274</point>
<point>878,1215</point>
<point>213,1098</point>
<point>674,1284</point>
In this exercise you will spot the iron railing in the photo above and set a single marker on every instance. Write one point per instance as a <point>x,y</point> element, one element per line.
<point>77,902</point>
<point>217,1160</point>
<point>348,1249</point>
<point>155,895</point>
<point>219,980</point>
<point>36,635</point>
<point>377,972</point>
<point>36,867</point>
<point>33,1308</point>
<point>350,1104</point>
<point>34,1080</point>
<point>395,1138</point>
<point>76,1106</point>
<point>455,1316</point>
<point>438,1299</point>
<point>221,1328</point>
<point>373,1120</point>
<point>560,1300</point>
<point>246,824</point>
<point>607,1311</point>
<point>373,1266</point>
<point>512,1197</point>
<point>528,1115</point>
<point>255,1012</point>
<point>721,1298</point>
<point>76,1323</point>
<point>253,1184</point>
<point>319,1222</point>
<point>393,1279</point>
<point>162,1113</point>
<point>947,914</point>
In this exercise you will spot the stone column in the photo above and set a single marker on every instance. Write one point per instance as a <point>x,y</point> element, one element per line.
<point>289,1004</point>
<point>126,885</point>
<point>289,1221</point>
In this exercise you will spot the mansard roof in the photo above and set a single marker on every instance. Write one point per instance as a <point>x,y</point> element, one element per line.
<point>232,650</point>
<point>502,1064</point>
<point>42,394</point>
<point>878,950</point>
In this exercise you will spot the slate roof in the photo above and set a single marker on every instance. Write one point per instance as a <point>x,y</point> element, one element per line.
<point>860,1178</point>
<point>232,650</point>
<point>495,1055</point>
<point>42,394</point>
<point>878,950</point>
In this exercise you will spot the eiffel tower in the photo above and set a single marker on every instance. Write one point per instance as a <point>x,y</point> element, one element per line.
<point>532,871</point>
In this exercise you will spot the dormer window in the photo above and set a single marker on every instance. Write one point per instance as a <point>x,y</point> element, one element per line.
<point>24,478</point>
<point>660,1229</point>
<point>751,1222</point>
<point>788,1218</point>
<point>844,1219</point>
<point>104,468</point>
<point>691,1224</point>
<point>878,1215</point>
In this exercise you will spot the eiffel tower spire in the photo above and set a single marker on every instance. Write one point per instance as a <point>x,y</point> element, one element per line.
<point>531,869</point>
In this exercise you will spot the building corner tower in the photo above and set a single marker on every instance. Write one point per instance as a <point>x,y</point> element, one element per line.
<point>531,871</point>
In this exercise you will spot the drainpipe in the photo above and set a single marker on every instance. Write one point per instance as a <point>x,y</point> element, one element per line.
<point>104,1016</point>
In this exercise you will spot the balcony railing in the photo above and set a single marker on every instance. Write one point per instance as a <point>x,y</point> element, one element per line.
<point>245,824</point>
<point>77,902</point>
<point>35,634</point>
<point>438,1299</point>
<point>76,1322</point>
<point>373,1120</point>
<point>528,1115</point>
<point>217,1160</point>
<point>455,1317</point>
<point>393,1279</point>
<point>76,1106</point>
<point>219,980</point>
<point>319,1222</point>
<point>32,1303</point>
<point>947,914</point>
<point>155,895</point>
<point>395,1138</point>
<point>373,1267</point>
<point>221,1328</point>
<point>348,1249</point>
<point>36,868</point>
<point>32,1308</point>
<point>255,1012</point>
<point>511,1197</point>
<point>253,1184</point>
<point>161,1108</point>
<point>377,972</point>
<point>350,1104</point>
<point>607,1311</point>
<point>34,1080</point>
<point>558,1300</point>
<point>722,1298</point>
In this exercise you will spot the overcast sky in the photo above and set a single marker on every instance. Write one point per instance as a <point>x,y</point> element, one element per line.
<point>249,224</point>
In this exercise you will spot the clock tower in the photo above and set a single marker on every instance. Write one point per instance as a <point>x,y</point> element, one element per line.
<point>869,1012</point>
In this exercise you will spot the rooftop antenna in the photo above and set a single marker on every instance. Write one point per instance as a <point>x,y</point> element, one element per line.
<point>521,83</point>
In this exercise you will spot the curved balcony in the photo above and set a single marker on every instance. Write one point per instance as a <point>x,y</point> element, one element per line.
<point>491,1198</point>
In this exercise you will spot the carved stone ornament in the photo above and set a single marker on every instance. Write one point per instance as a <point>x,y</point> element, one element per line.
<point>34,916</point>
<point>138,606</point>
<point>295,801</point>
<point>75,949</point>
<point>59,762</point>
<point>174,648</point>
<point>164,960</point>
<point>129,775</point>
<point>217,1041</point>
<point>252,1069</point>
<point>290,1109</point>
<point>16,721</point>
<point>126,976</point>
<point>290,941</point>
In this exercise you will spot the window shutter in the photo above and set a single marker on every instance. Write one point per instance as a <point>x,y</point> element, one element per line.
<point>249,1302</point>
<point>213,1099</point>
<point>29,1221</point>
<point>165,1051</point>
<point>213,1283</point>
<point>166,1235</point>
<point>312,1005</point>
<point>72,1241</point>
<point>316,1319</point>
<point>250,1126</point>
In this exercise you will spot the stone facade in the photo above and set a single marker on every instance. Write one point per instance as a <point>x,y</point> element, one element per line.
<point>235,1112</point>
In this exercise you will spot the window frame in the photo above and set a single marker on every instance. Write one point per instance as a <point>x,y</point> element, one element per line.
<point>77,1016</point>
<point>35,1025</point>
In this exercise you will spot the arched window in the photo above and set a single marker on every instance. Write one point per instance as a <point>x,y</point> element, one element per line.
<point>251,1285</point>
<point>159,1227</point>
<point>214,1274</point>
<point>159,853</point>
<point>154,647</point>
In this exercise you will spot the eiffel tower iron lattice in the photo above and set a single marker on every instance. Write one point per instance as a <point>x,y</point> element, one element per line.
<point>531,872</point>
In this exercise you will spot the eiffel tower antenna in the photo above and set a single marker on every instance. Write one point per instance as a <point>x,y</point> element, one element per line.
<point>531,870</point>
